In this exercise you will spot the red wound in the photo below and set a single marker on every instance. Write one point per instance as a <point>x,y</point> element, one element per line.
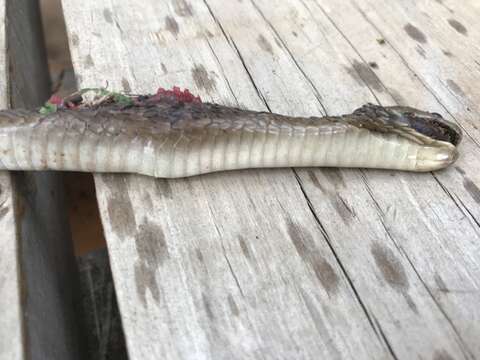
<point>178,94</point>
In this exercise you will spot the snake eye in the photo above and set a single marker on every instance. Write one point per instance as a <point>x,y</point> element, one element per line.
<point>436,114</point>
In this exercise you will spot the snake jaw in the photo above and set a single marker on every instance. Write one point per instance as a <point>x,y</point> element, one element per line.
<point>440,137</point>
<point>431,158</point>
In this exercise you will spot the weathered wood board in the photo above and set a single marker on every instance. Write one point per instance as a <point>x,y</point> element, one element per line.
<point>306,263</point>
<point>10,304</point>
<point>36,259</point>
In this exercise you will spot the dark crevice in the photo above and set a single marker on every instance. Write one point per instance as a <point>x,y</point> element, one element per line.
<point>235,278</point>
<point>117,25</point>
<point>230,41</point>
<point>227,38</point>
<point>474,219</point>
<point>104,334</point>
<point>380,212</point>
<point>219,235</point>
<point>370,193</point>
<point>382,334</point>
<point>259,93</point>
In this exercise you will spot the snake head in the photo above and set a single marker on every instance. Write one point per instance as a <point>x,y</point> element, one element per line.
<point>431,125</point>
<point>439,137</point>
<point>425,126</point>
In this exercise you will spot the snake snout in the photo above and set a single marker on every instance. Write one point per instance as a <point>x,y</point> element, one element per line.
<point>431,158</point>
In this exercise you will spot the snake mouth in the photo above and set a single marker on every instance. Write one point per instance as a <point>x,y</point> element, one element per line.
<point>439,136</point>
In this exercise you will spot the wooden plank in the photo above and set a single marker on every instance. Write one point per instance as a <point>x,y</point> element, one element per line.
<point>226,265</point>
<point>298,61</point>
<point>36,305</point>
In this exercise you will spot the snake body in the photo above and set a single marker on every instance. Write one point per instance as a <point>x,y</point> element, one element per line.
<point>169,138</point>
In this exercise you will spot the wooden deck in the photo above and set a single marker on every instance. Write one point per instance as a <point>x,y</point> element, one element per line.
<point>293,263</point>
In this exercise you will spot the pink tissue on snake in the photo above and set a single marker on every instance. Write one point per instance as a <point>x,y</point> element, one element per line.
<point>178,94</point>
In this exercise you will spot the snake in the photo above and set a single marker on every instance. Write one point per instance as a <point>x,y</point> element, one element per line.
<point>173,134</point>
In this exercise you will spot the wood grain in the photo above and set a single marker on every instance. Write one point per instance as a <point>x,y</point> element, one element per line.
<point>280,263</point>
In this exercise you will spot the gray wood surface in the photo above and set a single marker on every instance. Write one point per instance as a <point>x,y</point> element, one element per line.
<point>37,318</point>
<point>304,263</point>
